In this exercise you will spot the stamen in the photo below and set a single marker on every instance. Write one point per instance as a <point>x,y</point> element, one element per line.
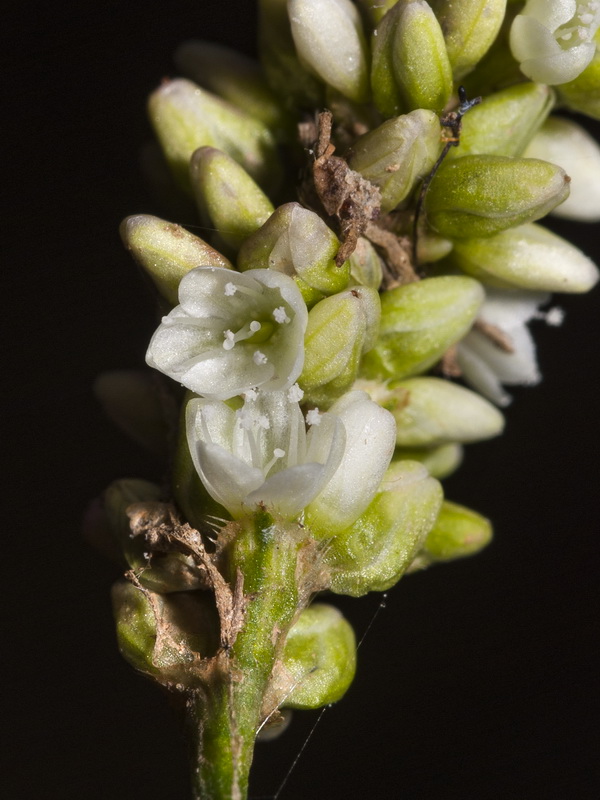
<point>313,417</point>
<point>259,358</point>
<point>295,393</point>
<point>229,342</point>
<point>244,333</point>
<point>277,454</point>
<point>230,289</point>
<point>280,316</point>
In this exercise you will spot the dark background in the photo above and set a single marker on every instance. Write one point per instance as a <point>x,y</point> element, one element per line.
<point>478,678</point>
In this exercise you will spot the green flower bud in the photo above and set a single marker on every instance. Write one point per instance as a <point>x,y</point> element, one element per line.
<point>365,265</point>
<point>167,251</point>
<point>373,553</point>
<point>340,328</point>
<point>457,532</point>
<point>565,143</point>
<point>165,637</point>
<point>504,123</point>
<point>481,195</point>
<point>330,41</point>
<point>431,248</point>
<point>234,77</point>
<point>186,117</point>
<point>410,67</point>
<point>583,93</point>
<point>527,257</point>
<point>133,401</point>
<point>432,411</point>
<point>397,154</point>
<point>297,242</point>
<point>419,322</point>
<point>377,9</point>
<point>470,27</point>
<point>440,461</point>
<point>228,196</point>
<point>159,572</point>
<point>318,661</point>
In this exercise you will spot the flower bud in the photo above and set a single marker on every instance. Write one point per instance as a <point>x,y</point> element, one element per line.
<point>374,552</point>
<point>186,117</point>
<point>410,66</point>
<point>481,195</point>
<point>526,257</point>
<point>318,661</point>
<point>470,27</point>
<point>330,41</point>
<point>297,242</point>
<point>440,462</point>
<point>419,322</point>
<point>504,123</point>
<point>133,401</point>
<point>166,637</point>
<point>397,154</point>
<point>565,143</point>
<point>365,265</point>
<point>234,77</point>
<point>159,572</point>
<point>340,328</point>
<point>377,9</point>
<point>227,195</point>
<point>457,532</point>
<point>553,40</point>
<point>583,93</point>
<point>432,411</point>
<point>167,251</point>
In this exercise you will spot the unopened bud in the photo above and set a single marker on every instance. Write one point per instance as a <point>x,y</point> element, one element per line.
<point>440,461</point>
<point>228,196</point>
<point>340,329</point>
<point>419,322</point>
<point>166,636</point>
<point>186,117</point>
<point>167,251</point>
<point>480,195</point>
<point>526,257</point>
<point>297,242</point>
<point>373,554</point>
<point>563,142</point>
<point>397,154</point>
<point>583,93</point>
<point>330,41</point>
<point>365,265</point>
<point>457,532</point>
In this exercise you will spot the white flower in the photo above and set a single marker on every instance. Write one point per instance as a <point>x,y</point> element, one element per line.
<point>261,453</point>
<point>553,40</point>
<point>484,365</point>
<point>232,332</point>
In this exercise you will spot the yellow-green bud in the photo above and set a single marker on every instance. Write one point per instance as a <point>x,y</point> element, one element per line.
<point>410,67</point>
<point>167,251</point>
<point>419,322</point>
<point>234,77</point>
<point>330,41</point>
<point>432,411</point>
<point>340,328</point>
<point>397,154</point>
<point>365,265</point>
<point>186,117</point>
<point>440,461</point>
<point>373,553</point>
<point>457,532</point>
<point>165,637</point>
<point>504,123</point>
<point>318,661</point>
<point>481,195</point>
<point>297,242</point>
<point>227,196</point>
<point>470,27</point>
<point>563,142</point>
<point>526,257</point>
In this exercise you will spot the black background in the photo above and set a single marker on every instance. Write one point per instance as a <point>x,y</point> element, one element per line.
<point>478,678</point>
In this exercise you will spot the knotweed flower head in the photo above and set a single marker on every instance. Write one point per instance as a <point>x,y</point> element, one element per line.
<point>553,40</point>
<point>232,332</point>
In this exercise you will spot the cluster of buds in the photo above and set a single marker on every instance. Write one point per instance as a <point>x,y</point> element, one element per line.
<point>316,329</point>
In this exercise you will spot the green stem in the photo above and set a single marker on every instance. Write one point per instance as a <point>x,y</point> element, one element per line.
<point>226,721</point>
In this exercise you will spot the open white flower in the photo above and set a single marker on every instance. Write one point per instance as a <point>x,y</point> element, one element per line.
<point>232,332</point>
<point>484,365</point>
<point>261,453</point>
<point>553,40</point>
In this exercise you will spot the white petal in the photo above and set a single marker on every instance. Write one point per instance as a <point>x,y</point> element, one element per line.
<point>480,375</point>
<point>227,479</point>
<point>289,491</point>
